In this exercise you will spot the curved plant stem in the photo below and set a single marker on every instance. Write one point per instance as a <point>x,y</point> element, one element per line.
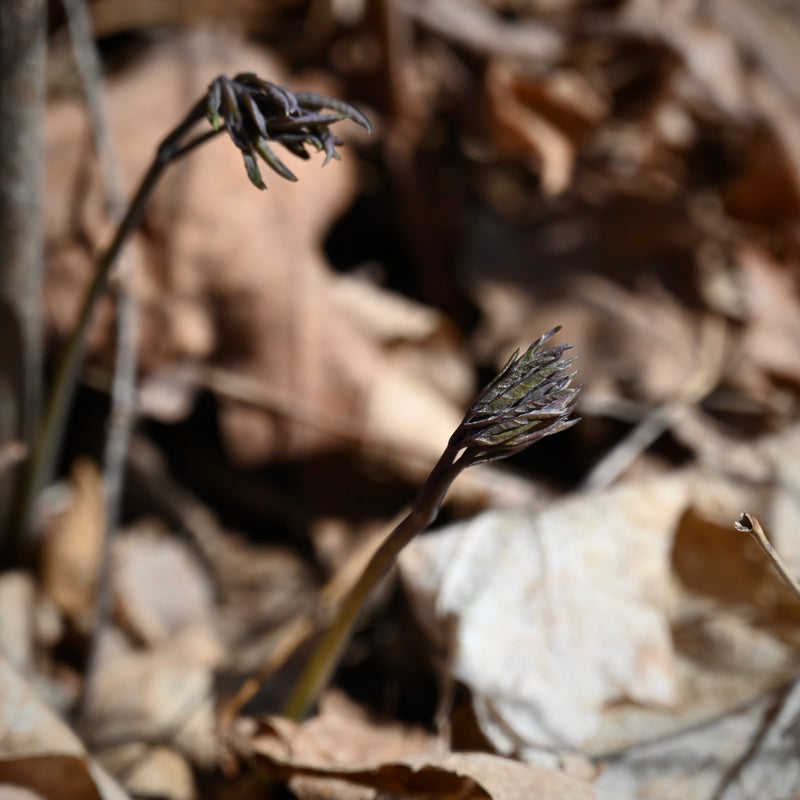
<point>530,398</point>
<point>326,654</point>
<point>50,433</point>
<point>295,121</point>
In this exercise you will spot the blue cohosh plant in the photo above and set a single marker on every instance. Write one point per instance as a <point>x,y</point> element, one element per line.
<point>255,113</point>
<point>531,397</point>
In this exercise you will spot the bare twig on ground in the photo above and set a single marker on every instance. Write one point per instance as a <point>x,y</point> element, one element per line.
<point>736,768</point>
<point>90,69</point>
<point>766,698</point>
<point>747,523</point>
<point>121,424</point>
<point>123,388</point>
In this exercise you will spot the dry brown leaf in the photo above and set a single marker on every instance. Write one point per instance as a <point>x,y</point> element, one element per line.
<point>408,415</point>
<point>51,776</point>
<point>541,121</point>
<point>415,340</point>
<point>33,739</point>
<point>343,754</point>
<point>340,735</point>
<point>555,615</point>
<point>723,641</point>
<point>504,779</point>
<point>713,561</point>
<point>713,74</point>
<point>765,191</point>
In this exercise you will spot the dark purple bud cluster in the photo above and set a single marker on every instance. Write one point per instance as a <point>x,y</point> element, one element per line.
<point>257,112</point>
<point>531,397</point>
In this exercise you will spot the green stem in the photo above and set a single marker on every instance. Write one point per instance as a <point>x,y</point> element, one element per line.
<point>51,429</point>
<point>326,655</point>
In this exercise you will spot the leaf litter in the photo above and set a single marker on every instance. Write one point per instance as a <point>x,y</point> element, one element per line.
<point>629,171</point>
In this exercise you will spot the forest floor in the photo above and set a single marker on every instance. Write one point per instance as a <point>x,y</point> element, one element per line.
<point>583,620</point>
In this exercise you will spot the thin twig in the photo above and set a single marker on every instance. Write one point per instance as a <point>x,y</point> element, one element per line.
<point>766,697</point>
<point>747,523</point>
<point>123,389</point>
<point>90,69</point>
<point>734,771</point>
<point>121,424</point>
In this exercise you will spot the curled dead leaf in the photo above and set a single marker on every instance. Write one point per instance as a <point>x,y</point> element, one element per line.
<point>556,614</point>
<point>344,754</point>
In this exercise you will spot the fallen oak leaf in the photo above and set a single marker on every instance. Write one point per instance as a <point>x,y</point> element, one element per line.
<point>443,776</point>
<point>344,753</point>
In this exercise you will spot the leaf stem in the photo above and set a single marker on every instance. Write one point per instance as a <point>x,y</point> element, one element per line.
<point>59,401</point>
<point>326,655</point>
